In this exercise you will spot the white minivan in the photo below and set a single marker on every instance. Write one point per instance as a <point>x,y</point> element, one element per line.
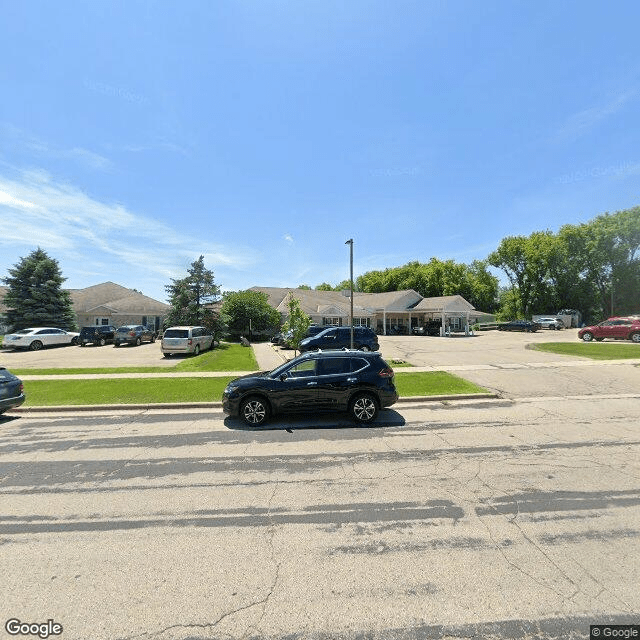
<point>186,340</point>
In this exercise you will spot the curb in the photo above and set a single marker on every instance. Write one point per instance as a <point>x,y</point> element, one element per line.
<point>215,405</point>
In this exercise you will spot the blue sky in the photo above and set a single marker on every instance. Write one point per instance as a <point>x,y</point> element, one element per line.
<point>136,136</point>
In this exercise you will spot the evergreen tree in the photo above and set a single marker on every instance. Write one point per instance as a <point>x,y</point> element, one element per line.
<point>190,296</point>
<point>35,297</point>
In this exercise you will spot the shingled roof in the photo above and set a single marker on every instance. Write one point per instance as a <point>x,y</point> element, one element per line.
<point>117,298</point>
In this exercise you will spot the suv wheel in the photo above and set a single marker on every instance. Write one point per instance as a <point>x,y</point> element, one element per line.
<point>196,351</point>
<point>363,408</point>
<point>138,341</point>
<point>587,336</point>
<point>254,411</point>
<point>102,342</point>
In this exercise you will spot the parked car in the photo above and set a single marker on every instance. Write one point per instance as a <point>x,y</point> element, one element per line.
<point>153,330</point>
<point>360,383</point>
<point>36,338</point>
<point>185,340</point>
<point>285,338</point>
<point>98,335</point>
<point>430,328</point>
<point>133,334</point>
<point>550,323</point>
<point>364,339</point>
<point>11,390</point>
<point>315,329</point>
<point>519,325</point>
<point>627,328</point>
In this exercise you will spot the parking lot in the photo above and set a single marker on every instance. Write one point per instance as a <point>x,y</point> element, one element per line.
<point>501,362</point>
<point>490,347</point>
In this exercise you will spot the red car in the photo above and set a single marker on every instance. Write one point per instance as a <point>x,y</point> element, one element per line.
<point>614,328</point>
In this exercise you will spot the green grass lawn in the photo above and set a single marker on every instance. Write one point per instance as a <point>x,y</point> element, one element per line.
<point>157,390</point>
<point>594,350</point>
<point>124,391</point>
<point>225,357</point>
<point>433,383</point>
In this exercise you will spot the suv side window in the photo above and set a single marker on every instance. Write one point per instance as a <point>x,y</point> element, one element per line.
<point>304,369</point>
<point>358,364</point>
<point>333,366</point>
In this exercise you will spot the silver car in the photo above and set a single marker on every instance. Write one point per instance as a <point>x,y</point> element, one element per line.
<point>176,340</point>
<point>550,323</point>
<point>36,338</point>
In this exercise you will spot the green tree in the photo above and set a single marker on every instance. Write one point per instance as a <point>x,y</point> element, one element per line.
<point>525,261</point>
<point>437,278</point>
<point>304,286</point>
<point>240,307</point>
<point>35,297</point>
<point>298,322</point>
<point>605,261</point>
<point>190,299</point>
<point>325,286</point>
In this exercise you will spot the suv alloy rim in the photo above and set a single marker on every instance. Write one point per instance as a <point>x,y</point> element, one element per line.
<point>254,412</point>
<point>364,408</point>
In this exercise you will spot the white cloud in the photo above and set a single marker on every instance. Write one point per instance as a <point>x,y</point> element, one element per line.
<point>582,122</point>
<point>73,227</point>
<point>18,138</point>
<point>8,199</point>
<point>288,238</point>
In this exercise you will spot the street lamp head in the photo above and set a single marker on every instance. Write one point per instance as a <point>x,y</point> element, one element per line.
<point>349,241</point>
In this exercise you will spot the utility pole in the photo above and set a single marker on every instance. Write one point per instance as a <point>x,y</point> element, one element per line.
<point>350,242</point>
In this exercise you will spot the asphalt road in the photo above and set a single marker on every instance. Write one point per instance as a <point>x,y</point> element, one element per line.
<point>511,518</point>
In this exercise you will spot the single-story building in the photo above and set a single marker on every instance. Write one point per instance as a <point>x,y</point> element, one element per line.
<point>110,303</point>
<point>386,313</point>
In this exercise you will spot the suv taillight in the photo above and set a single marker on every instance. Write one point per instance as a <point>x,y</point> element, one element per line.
<point>132,333</point>
<point>190,342</point>
<point>387,372</point>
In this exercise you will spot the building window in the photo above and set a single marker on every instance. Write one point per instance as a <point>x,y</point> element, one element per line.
<point>332,322</point>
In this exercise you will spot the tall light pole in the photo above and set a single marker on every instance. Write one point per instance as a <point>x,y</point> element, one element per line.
<point>350,242</point>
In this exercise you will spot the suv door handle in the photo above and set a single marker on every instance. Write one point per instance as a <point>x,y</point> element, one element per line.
<point>352,379</point>
<point>312,384</point>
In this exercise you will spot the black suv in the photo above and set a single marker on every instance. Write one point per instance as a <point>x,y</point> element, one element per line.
<point>360,383</point>
<point>133,334</point>
<point>98,335</point>
<point>364,339</point>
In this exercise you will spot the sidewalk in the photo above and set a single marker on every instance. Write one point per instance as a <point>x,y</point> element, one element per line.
<point>269,358</point>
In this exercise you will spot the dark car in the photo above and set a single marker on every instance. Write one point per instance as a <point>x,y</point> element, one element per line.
<point>360,383</point>
<point>627,328</point>
<point>519,325</point>
<point>133,334</point>
<point>285,338</point>
<point>11,390</point>
<point>98,335</point>
<point>430,328</point>
<point>364,339</point>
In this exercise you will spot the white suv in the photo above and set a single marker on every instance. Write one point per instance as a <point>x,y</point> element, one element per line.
<point>186,340</point>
